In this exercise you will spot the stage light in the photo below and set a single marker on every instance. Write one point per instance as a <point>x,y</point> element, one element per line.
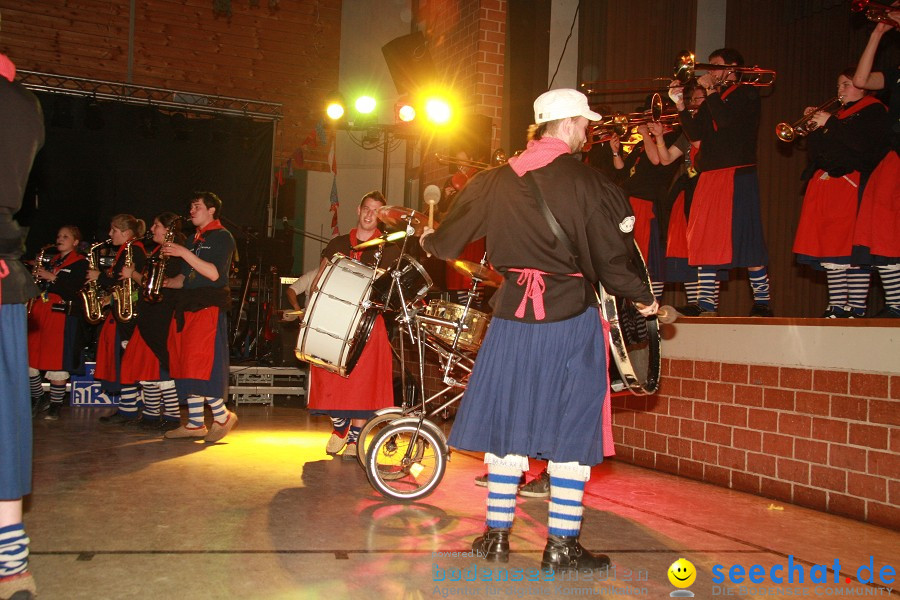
<point>404,111</point>
<point>365,105</point>
<point>334,106</point>
<point>438,111</point>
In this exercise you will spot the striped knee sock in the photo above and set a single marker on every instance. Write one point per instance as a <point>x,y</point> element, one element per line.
<point>759,283</point>
<point>57,393</point>
<point>195,412</point>
<point>169,400</point>
<point>858,290</point>
<point>219,412</point>
<point>502,484</point>
<point>566,507</point>
<point>13,550</point>
<point>353,434</point>
<point>128,402</point>
<point>340,425</point>
<point>890,281</point>
<point>34,383</point>
<point>707,290</point>
<point>837,286</point>
<point>691,290</point>
<point>152,400</point>
<point>657,287</point>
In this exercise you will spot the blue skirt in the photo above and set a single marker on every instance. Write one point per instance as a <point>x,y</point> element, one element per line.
<point>15,404</point>
<point>537,390</point>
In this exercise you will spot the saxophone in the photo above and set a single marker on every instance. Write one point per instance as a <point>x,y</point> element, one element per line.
<point>90,292</point>
<point>41,283</point>
<point>155,274</point>
<point>123,292</point>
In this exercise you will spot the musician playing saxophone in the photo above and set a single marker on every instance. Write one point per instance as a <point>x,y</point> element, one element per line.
<point>54,324</point>
<point>146,359</point>
<point>114,335</point>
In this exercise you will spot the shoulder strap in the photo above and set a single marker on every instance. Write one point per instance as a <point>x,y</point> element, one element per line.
<point>551,220</point>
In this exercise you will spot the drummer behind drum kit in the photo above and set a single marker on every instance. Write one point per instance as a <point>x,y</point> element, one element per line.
<point>403,452</point>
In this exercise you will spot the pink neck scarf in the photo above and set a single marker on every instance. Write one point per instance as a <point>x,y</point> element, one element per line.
<point>7,68</point>
<point>539,153</point>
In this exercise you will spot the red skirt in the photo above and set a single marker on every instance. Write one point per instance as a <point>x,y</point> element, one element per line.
<point>676,238</point>
<point>139,363</point>
<point>107,352</point>
<point>878,223</point>
<point>191,350</point>
<point>709,227</point>
<point>828,216</point>
<point>370,385</point>
<point>46,333</point>
<point>643,216</point>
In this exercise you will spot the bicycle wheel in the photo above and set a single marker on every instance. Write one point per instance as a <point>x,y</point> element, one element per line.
<point>406,461</point>
<point>371,428</point>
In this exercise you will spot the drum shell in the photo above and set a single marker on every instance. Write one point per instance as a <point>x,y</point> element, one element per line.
<point>475,322</point>
<point>413,280</point>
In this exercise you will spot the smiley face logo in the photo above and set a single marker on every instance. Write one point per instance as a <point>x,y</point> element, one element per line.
<point>682,573</point>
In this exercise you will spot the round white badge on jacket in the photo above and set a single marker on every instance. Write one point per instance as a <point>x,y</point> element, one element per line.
<point>627,225</point>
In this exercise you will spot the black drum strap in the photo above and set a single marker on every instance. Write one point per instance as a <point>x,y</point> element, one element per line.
<point>551,220</point>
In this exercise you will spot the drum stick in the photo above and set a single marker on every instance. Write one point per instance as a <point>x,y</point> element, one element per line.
<point>431,195</point>
<point>665,314</point>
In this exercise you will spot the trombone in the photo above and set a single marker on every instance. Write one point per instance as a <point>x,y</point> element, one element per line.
<point>685,66</point>
<point>621,124</point>
<point>876,11</point>
<point>788,132</point>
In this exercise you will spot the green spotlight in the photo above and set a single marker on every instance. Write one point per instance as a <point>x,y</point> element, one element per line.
<point>365,105</point>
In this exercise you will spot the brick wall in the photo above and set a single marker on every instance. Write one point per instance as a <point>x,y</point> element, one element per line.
<point>824,439</point>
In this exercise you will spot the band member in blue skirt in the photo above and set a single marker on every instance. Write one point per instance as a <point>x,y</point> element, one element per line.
<point>538,386</point>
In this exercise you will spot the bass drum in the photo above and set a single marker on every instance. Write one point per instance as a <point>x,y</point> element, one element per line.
<point>336,324</point>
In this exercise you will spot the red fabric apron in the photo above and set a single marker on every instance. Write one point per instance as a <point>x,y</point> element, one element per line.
<point>46,329</point>
<point>643,214</point>
<point>828,216</point>
<point>139,363</point>
<point>107,351</point>
<point>709,227</point>
<point>878,223</point>
<point>676,239</point>
<point>191,350</point>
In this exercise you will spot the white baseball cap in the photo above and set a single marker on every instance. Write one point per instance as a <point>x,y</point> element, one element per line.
<point>563,103</point>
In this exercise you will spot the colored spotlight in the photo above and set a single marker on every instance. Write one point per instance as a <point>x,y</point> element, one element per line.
<point>365,105</point>
<point>406,113</point>
<point>438,111</point>
<point>334,111</point>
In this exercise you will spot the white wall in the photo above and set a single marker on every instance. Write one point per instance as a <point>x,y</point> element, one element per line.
<point>710,28</point>
<point>561,14</point>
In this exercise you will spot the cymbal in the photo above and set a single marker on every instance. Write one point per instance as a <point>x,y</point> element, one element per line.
<point>377,241</point>
<point>399,216</point>
<point>478,271</point>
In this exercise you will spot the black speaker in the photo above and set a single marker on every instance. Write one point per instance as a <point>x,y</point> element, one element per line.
<point>409,61</point>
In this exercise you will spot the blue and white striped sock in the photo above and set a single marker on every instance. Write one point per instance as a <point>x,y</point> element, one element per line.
<point>195,412</point>
<point>502,484</point>
<point>219,412</point>
<point>858,290</point>
<point>152,400</point>
<point>890,281</point>
<point>707,289</point>
<point>759,283</point>
<point>837,286</point>
<point>128,402</point>
<point>340,424</point>
<point>13,550</point>
<point>657,287</point>
<point>692,291</point>
<point>566,506</point>
<point>34,383</point>
<point>169,400</point>
<point>353,434</point>
<point>57,393</point>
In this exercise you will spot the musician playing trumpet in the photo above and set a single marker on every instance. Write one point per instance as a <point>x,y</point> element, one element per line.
<point>843,149</point>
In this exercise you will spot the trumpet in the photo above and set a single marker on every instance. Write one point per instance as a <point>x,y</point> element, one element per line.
<point>788,132</point>
<point>876,11</point>
<point>685,66</point>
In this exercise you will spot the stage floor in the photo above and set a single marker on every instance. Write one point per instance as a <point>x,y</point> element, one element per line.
<point>266,514</point>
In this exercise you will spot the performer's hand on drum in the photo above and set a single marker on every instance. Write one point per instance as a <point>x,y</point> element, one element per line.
<point>647,311</point>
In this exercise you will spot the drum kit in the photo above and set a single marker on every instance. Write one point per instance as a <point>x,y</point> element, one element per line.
<point>402,450</point>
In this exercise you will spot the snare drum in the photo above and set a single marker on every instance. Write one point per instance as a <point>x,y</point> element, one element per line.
<point>475,324</point>
<point>413,281</point>
<point>336,324</point>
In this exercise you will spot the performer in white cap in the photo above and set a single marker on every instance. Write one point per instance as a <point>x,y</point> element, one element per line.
<point>539,383</point>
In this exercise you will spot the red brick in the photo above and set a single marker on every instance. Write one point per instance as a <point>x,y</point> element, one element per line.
<point>811,451</point>
<point>681,408</point>
<point>645,421</point>
<point>732,458</point>
<point>885,464</point>
<point>720,392</point>
<point>655,442</point>
<point>694,430</point>
<point>644,458</point>
<point>884,411</point>
<point>679,447</point>
<point>847,457</point>
<point>717,475</point>
<point>799,425</point>
<point>793,470</point>
<point>766,420</point>
<point>870,436</point>
<point>706,411</point>
<point>810,497</point>
<point>828,478</point>
<point>847,506</point>
<point>657,405</point>
<point>733,415</point>
<point>778,399</point>
<point>748,395</point>
<point>624,453</point>
<point>759,463</point>
<point>829,430</point>
<point>796,379</point>
<point>669,386</point>
<point>667,464</point>
<point>664,366</point>
<point>778,445</point>
<point>895,387</point>
<point>747,439</point>
<point>734,373</point>
<point>693,388</point>
<point>849,407</point>
<point>718,434</point>
<point>884,515</point>
<point>773,488</point>
<point>745,482</point>
<point>618,432</point>
<point>812,403</point>
<point>623,417</point>
<point>690,468</point>
<point>667,425</point>
<point>831,381</point>
<point>633,437</point>
<point>870,385</point>
<point>894,442</point>
<point>707,371</point>
<point>764,376</point>
<point>703,452</point>
<point>681,368</point>
<point>867,486</point>
<point>894,491</point>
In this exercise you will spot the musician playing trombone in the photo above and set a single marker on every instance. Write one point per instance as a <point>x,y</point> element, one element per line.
<point>725,225</point>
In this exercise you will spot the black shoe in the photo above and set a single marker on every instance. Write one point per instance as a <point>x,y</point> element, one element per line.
<point>888,312</point>
<point>39,405</point>
<point>689,310</point>
<point>492,545</point>
<point>117,419</point>
<point>761,310</point>
<point>149,424</point>
<point>167,425</point>
<point>539,487</point>
<point>566,554</point>
<point>53,411</point>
